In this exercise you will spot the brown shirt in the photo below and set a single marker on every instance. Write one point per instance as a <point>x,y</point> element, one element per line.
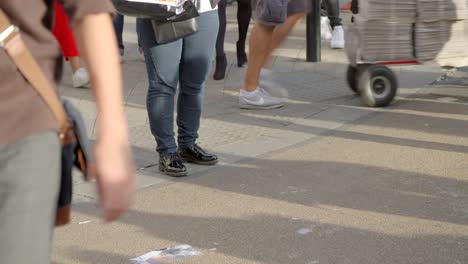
<point>22,111</point>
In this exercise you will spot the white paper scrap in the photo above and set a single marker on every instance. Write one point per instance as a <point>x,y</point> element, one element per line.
<point>167,255</point>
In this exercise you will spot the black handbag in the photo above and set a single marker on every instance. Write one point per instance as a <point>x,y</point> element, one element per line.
<point>168,24</point>
<point>171,31</point>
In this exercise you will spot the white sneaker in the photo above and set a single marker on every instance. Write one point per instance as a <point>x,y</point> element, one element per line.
<point>80,78</point>
<point>325,29</point>
<point>258,99</point>
<point>337,41</point>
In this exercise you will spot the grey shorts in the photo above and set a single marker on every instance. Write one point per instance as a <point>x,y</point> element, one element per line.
<point>275,12</point>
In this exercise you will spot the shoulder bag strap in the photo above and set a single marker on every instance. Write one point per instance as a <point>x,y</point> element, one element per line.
<point>11,41</point>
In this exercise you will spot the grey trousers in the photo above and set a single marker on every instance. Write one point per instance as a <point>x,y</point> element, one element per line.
<point>29,185</point>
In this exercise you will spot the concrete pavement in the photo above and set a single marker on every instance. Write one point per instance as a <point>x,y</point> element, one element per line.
<point>323,180</point>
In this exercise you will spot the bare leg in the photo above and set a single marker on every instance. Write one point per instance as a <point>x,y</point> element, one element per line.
<point>258,51</point>
<point>74,63</point>
<point>280,34</point>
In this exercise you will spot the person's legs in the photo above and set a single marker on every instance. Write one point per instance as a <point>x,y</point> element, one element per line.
<point>333,11</point>
<point>29,186</point>
<point>80,76</point>
<point>63,32</point>
<point>195,65</point>
<point>281,33</point>
<point>118,27</point>
<point>244,15</point>
<point>162,64</point>
<point>222,28</point>
<point>66,39</point>
<point>325,31</point>
<point>75,63</point>
<point>275,19</point>
<point>260,53</point>
<point>221,62</point>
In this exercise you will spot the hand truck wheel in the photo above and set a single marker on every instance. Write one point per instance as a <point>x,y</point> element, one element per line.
<point>352,77</point>
<point>353,74</point>
<point>377,85</point>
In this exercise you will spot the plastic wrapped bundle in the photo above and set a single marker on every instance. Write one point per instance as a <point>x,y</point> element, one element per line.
<point>380,40</point>
<point>442,41</point>
<point>396,10</point>
<point>432,10</point>
<point>441,31</point>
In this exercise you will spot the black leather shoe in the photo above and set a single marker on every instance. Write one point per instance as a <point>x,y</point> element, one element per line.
<point>241,55</point>
<point>172,165</point>
<point>195,154</point>
<point>221,66</point>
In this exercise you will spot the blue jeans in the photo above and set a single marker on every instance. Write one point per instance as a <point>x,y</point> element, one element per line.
<point>118,27</point>
<point>186,62</point>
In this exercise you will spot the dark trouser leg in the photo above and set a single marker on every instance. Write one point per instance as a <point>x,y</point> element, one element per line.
<point>222,28</point>
<point>333,11</point>
<point>244,15</point>
<point>221,61</point>
<point>118,27</point>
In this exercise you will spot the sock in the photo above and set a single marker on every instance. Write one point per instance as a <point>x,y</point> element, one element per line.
<point>248,94</point>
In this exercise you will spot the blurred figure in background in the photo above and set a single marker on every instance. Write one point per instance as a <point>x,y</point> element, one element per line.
<point>244,15</point>
<point>118,27</point>
<point>66,39</point>
<point>331,18</point>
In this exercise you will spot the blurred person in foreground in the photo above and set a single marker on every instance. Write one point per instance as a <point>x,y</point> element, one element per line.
<point>29,145</point>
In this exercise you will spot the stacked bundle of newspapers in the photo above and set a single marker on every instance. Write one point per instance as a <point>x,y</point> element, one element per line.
<point>442,10</point>
<point>387,9</point>
<point>384,31</point>
<point>441,31</point>
<point>397,30</point>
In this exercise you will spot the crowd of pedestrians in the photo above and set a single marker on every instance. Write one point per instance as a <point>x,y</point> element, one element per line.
<point>30,150</point>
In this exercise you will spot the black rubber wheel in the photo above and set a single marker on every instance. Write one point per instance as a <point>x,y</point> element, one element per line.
<point>377,85</point>
<point>351,78</point>
<point>353,74</point>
